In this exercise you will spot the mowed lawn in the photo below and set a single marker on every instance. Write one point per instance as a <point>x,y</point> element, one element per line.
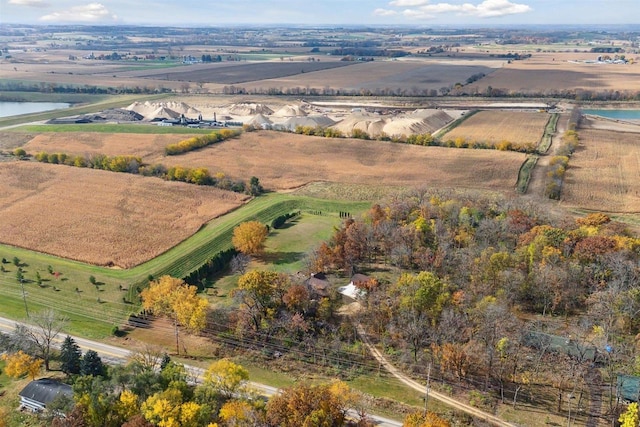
<point>492,127</point>
<point>615,187</point>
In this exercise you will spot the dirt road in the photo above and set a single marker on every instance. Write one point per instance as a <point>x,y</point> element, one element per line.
<point>421,388</point>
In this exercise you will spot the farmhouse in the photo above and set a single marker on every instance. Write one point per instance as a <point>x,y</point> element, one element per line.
<point>37,394</point>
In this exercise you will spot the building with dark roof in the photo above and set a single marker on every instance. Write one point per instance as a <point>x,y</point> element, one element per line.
<point>38,393</point>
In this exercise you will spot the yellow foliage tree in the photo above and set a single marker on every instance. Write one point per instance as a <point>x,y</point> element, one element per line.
<point>630,418</point>
<point>430,419</point>
<point>249,237</point>
<point>127,405</point>
<point>20,364</point>
<point>173,298</point>
<point>239,413</point>
<point>227,378</point>
<point>163,409</point>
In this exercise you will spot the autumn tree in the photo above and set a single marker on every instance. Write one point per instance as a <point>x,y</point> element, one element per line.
<point>420,419</point>
<point>240,413</point>
<point>20,364</point>
<point>173,298</point>
<point>226,378</point>
<point>261,292</point>
<point>310,405</point>
<point>249,237</point>
<point>70,356</point>
<point>418,302</point>
<point>629,418</point>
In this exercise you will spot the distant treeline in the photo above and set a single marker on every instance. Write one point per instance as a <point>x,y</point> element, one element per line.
<point>15,86</point>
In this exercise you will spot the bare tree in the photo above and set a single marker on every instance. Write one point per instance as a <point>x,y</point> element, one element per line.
<point>46,326</point>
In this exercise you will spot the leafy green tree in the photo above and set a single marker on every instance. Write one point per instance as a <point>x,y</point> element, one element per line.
<point>70,356</point>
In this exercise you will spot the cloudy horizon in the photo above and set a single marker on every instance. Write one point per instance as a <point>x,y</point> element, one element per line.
<point>323,12</point>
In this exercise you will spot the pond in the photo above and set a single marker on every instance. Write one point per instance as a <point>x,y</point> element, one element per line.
<point>615,114</point>
<point>8,109</point>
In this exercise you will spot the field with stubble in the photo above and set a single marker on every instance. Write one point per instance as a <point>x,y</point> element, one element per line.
<point>492,127</point>
<point>283,161</point>
<point>99,217</point>
<point>145,146</point>
<point>616,185</point>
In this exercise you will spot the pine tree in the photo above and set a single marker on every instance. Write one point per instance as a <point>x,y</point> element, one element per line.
<point>91,364</point>
<point>70,356</point>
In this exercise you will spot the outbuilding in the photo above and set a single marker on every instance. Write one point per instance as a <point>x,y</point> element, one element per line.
<point>38,393</point>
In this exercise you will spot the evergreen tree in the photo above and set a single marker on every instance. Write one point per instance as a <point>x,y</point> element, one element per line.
<point>70,356</point>
<point>165,361</point>
<point>91,364</point>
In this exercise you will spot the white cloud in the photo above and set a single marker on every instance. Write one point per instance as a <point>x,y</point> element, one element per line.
<point>30,3</point>
<point>92,12</point>
<point>384,12</point>
<point>424,9</point>
<point>408,3</point>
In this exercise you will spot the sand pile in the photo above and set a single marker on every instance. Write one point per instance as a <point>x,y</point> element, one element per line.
<point>290,111</point>
<point>372,124</point>
<point>308,121</point>
<point>152,110</point>
<point>259,120</point>
<point>415,122</point>
<point>248,109</point>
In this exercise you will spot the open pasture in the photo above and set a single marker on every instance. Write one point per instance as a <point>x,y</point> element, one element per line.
<point>412,77</point>
<point>100,217</point>
<point>492,127</point>
<point>548,73</point>
<point>283,161</point>
<point>615,187</point>
<point>241,72</point>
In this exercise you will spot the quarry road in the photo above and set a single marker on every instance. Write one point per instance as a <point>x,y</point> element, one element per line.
<point>422,389</point>
<point>117,355</point>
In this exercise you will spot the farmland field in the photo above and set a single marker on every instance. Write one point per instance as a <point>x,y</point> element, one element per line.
<point>146,146</point>
<point>616,185</point>
<point>547,72</point>
<point>225,73</point>
<point>283,161</point>
<point>492,127</point>
<point>100,217</point>
<point>384,75</point>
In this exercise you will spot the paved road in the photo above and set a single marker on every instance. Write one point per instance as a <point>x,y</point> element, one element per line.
<point>116,355</point>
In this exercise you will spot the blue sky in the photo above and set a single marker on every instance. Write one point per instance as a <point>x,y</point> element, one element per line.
<point>321,12</point>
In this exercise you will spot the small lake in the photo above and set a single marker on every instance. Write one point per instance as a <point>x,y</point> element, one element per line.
<point>8,109</point>
<point>615,114</point>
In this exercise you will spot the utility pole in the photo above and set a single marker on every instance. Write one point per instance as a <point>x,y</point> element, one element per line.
<point>24,295</point>
<point>426,396</point>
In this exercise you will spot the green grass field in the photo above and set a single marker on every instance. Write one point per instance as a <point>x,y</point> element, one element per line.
<point>143,128</point>
<point>94,310</point>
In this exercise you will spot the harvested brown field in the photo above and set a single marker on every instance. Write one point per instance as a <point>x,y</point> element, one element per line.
<point>235,73</point>
<point>411,77</point>
<point>492,127</point>
<point>99,217</point>
<point>558,72</point>
<point>145,146</point>
<point>284,161</point>
<point>615,187</point>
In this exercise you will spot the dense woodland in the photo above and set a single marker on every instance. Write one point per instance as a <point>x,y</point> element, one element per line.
<point>482,289</point>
